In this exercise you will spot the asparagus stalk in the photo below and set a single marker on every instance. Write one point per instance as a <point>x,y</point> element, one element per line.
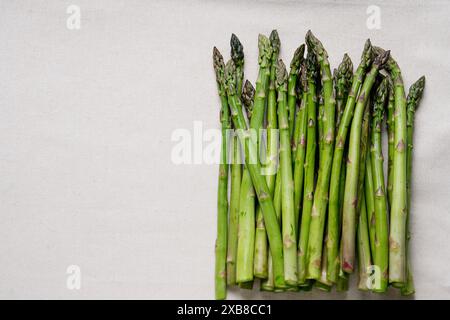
<point>397,235</point>
<point>320,119</point>
<point>237,54</point>
<point>341,137</point>
<point>246,222</point>
<point>353,170</point>
<point>258,180</point>
<point>236,178</point>
<point>381,254</point>
<point>412,102</point>
<point>222,198</point>
<point>390,130</point>
<point>287,188</point>
<point>291,86</point>
<point>310,160</point>
<point>300,143</point>
<point>363,247</point>
<point>272,150</point>
<point>318,214</point>
<point>370,204</point>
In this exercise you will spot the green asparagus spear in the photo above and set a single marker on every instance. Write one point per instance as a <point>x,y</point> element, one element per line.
<point>318,214</point>
<point>222,198</point>
<point>363,247</point>
<point>353,170</point>
<point>397,235</point>
<point>412,102</point>
<point>338,163</point>
<point>342,84</point>
<point>300,143</point>
<point>287,187</point>
<point>310,164</point>
<point>390,130</point>
<point>246,222</point>
<point>381,254</point>
<point>258,180</point>
<point>370,203</point>
<point>292,84</point>
<point>237,54</point>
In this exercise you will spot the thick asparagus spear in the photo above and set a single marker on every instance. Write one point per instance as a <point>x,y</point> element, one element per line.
<point>341,137</point>
<point>381,254</point>
<point>272,150</point>
<point>353,163</point>
<point>412,102</point>
<point>287,187</point>
<point>237,54</point>
<point>222,198</point>
<point>397,234</point>
<point>291,86</point>
<point>246,222</point>
<point>300,143</point>
<point>310,164</point>
<point>258,180</point>
<point>318,214</point>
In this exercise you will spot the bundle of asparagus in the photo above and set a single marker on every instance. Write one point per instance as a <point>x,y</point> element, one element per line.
<point>301,213</point>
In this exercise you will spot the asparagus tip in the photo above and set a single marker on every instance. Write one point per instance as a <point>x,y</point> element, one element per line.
<point>237,49</point>
<point>281,73</point>
<point>275,41</point>
<point>219,66</point>
<point>265,50</point>
<point>297,59</point>
<point>415,92</point>
<point>248,94</point>
<point>382,58</point>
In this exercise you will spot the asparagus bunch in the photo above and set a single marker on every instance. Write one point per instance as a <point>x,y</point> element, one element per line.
<point>301,224</point>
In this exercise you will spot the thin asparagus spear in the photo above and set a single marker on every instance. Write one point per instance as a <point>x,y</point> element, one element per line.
<point>341,138</point>
<point>236,178</point>
<point>237,54</point>
<point>287,187</point>
<point>318,214</point>
<point>370,203</point>
<point>412,102</point>
<point>262,87</point>
<point>351,181</point>
<point>292,84</point>
<point>258,180</point>
<point>381,254</point>
<point>222,198</point>
<point>320,120</point>
<point>397,235</point>
<point>272,149</point>
<point>342,84</point>
<point>390,130</point>
<point>310,164</point>
<point>301,122</point>
<point>363,247</point>
<point>246,222</point>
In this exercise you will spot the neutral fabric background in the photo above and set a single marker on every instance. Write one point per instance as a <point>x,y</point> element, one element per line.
<point>86,118</point>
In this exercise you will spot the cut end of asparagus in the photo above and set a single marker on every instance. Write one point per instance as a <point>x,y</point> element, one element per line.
<point>275,41</point>
<point>230,77</point>
<point>281,76</point>
<point>297,59</point>
<point>415,93</point>
<point>237,50</point>
<point>265,51</point>
<point>219,66</point>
